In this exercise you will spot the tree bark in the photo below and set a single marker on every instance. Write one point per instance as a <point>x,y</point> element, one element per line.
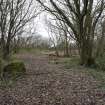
<point>66,47</point>
<point>6,49</point>
<point>86,54</point>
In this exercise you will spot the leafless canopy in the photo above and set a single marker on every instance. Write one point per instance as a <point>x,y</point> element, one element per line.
<point>81,16</point>
<point>14,15</point>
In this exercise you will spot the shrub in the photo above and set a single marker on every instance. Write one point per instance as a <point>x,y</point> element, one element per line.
<point>14,69</point>
<point>101,63</point>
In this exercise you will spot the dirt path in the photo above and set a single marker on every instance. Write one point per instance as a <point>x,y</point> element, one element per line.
<point>49,84</point>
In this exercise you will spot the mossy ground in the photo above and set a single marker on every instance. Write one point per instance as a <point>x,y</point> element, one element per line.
<point>14,69</point>
<point>10,71</point>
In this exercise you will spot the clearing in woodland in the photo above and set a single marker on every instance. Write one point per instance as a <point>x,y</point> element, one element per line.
<point>52,84</point>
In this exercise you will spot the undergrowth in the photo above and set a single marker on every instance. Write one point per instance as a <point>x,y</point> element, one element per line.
<point>97,73</point>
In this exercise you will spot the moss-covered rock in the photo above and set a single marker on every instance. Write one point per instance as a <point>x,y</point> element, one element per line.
<point>14,69</point>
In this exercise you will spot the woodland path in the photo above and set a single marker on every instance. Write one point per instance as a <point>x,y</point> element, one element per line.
<point>51,84</point>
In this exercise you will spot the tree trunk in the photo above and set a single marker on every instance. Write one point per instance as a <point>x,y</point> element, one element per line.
<point>56,51</point>
<point>66,47</point>
<point>2,44</point>
<point>6,50</point>
<point>86,56</point>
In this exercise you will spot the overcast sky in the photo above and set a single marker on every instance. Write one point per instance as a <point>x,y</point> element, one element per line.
<point>41,27</point>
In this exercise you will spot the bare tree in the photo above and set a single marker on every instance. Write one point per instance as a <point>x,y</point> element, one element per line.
<point>59,34</point>
<point>66,36</point>
<point>81,16</point>
<point>55,34</point>
<point>14,15</point>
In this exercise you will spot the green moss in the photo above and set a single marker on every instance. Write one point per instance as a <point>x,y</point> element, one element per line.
<point>70,62</point>
<point>101,63</point>
<point>2,64</point>
<point>30,50</point>
<point>14,69</point>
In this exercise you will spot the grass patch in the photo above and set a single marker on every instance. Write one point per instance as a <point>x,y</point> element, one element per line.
<point>30,50</point>
<point>96,73</point>
<point>99,75</point>
<point>70,62</point>
<point>36,51</point>
<point>6,84</point>
<point>10,71</point>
